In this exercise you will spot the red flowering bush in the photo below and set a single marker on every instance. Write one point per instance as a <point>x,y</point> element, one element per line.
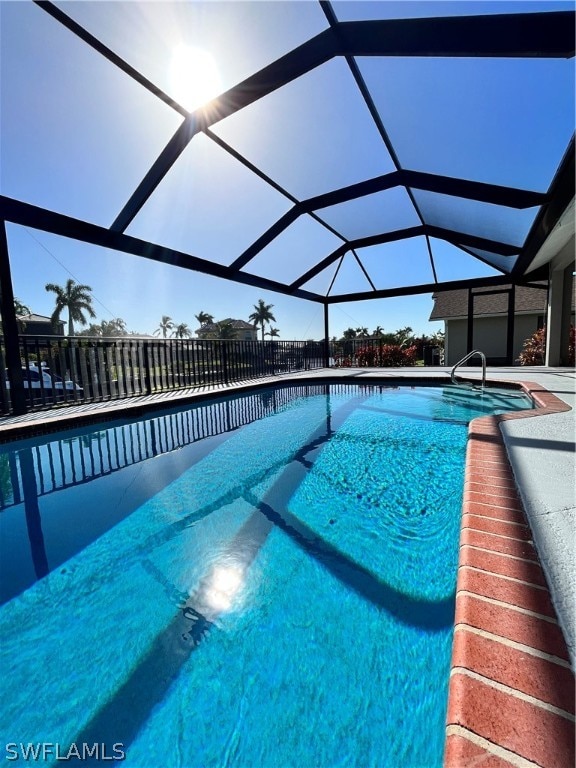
<point>534,348</point>
<point>381,356</point>
<point>341,361</point>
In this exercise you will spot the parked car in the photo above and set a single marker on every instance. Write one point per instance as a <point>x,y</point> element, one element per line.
<point>47,383</point>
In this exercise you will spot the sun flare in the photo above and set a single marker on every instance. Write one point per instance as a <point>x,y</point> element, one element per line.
<point>223,586</point>
<point>194,77</point>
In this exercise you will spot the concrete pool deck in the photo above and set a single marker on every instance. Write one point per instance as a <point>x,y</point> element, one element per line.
<point>511,690</point>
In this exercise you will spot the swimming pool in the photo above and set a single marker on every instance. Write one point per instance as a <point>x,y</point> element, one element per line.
<point>264,580</point>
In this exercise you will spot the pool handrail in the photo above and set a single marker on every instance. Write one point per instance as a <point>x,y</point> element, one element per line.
<point>465,359</point>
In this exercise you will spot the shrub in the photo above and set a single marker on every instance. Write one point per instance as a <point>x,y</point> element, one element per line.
<point>381,356</point>
<point>534,348</point>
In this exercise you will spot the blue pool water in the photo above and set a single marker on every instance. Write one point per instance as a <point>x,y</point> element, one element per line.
<point>259,581</point>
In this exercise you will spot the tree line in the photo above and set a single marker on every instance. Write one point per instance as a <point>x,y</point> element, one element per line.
<point>77,300</point>
<point>403,337</point>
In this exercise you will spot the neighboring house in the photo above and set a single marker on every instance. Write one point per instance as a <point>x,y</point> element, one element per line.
<point>244,331</point>
<point>39,325</point>
<point>490,321</point>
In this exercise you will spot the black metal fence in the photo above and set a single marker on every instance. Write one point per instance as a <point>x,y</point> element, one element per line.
<point>76,459</point>
<point>69,370</point>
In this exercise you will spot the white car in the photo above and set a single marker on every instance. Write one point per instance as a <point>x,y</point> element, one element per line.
<point>45,381</point>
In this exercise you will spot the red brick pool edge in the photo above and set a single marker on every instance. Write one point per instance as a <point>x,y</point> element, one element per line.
<point>511,693</point>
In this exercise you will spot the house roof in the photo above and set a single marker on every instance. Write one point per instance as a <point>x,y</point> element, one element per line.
<point>33,318</point>
<point>451,304</point>
<point>357,156</point>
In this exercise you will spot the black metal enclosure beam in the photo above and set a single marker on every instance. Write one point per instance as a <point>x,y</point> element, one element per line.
<point>549,34</point>
<point>410,290</point>
<point>510,326</point>
<point>472,190</point>
<point>326,337</point>
<point>298,62</point>
<point>10,328</point>
<point>265,239</point>
<point>443,185</point>
<point>455,238</point>
<point>32,216</point>
<point>561,192</point>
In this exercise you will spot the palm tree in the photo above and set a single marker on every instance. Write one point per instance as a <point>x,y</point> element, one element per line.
<point>272,332</point>
<point>362,332</point>
<point>225,330</point>
<point>20,308</point>
<point>378,331</point>
<point>262,315</point>
<point>166,324</point>
<point>115,327</point>
<point>403,336</point>
<point>349,333</point>
<point>182,331</point>
<point>204,318</point>
<point>74,297</point>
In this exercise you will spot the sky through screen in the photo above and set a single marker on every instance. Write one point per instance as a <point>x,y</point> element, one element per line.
<point>78,135</point>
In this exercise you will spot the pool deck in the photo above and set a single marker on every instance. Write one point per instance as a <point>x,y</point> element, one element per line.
<point>511,700</point>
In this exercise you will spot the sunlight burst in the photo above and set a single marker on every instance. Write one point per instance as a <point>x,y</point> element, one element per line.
<point>194,77</point>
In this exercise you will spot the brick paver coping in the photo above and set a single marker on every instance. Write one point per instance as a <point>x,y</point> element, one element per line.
<point>511,695</point>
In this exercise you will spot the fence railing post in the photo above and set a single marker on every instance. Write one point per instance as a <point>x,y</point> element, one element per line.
<point>224,354</point>
<point>147,377</point>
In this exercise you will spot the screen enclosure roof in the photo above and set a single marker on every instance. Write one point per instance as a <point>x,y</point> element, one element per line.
<point>352,151</point>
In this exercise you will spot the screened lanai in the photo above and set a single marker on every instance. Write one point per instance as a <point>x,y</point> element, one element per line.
<point>346,151</point>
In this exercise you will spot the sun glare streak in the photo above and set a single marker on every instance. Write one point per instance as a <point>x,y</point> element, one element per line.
<point>223,585</point>
<point>194,77</point>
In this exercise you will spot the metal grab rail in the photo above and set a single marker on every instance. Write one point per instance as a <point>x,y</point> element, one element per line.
<point>465,359</point>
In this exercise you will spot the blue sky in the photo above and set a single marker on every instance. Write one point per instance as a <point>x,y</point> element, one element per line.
<point>78,136</point>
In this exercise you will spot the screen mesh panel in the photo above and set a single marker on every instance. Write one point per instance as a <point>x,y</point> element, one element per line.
<point>477,119</point>
<point>505,263</point>
<point>141,282</point>
<point>350,278</point>
<point>454,264</point>
<point>302,136</point>
<point>370,10</point>
<point>385,211</point>
<point>403,262</point>
<point>50,107</point>
<point>242,37</point>
<point>322,282</point>
<point>494,222</point>
<point>296,250</point>
<point>209,204</point>
<point>320,141</point>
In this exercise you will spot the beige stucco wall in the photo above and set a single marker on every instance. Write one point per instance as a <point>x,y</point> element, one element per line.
<point>489,336</point>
